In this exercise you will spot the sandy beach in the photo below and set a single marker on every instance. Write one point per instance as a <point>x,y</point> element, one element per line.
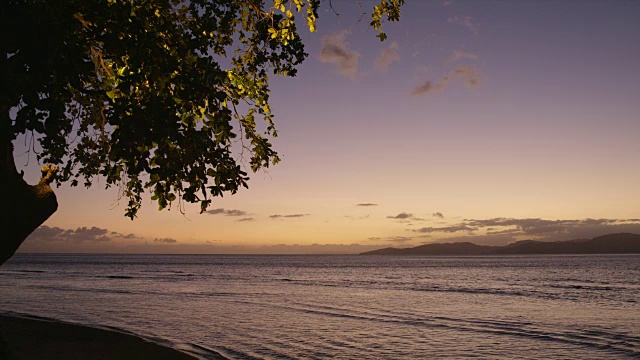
<point>39,339</point>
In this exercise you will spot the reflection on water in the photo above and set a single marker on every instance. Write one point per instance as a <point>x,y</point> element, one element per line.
<point>307,307</point>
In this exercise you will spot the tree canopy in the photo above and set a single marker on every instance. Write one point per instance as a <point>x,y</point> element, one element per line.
<point>153,95</point>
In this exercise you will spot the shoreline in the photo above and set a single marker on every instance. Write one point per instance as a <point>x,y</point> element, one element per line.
<point>23,337</point>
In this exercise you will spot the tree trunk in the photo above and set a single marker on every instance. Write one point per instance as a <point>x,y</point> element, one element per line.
<point>25,206</point>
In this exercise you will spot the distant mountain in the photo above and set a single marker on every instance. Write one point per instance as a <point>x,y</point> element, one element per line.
<point>461,248</point>
<point>624,243</point>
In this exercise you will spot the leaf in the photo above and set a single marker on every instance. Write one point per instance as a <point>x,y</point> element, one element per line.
<point>150,95</point>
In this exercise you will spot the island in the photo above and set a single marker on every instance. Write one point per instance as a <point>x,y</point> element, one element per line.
<point>623,243</point>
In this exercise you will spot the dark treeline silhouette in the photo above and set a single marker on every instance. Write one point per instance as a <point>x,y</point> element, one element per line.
<point>623,243</point>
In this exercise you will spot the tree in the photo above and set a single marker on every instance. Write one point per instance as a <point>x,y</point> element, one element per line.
<point>156,96</point>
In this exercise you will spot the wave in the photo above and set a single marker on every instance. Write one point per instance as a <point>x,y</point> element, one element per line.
<point>576,292</point>
<point>596,339</point>
<point>7,272</point>
<point>201,352</point>
<point>171,277</point>
<point>68,288</point>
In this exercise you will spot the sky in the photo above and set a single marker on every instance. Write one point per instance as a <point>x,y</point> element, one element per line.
<point>482,121</point>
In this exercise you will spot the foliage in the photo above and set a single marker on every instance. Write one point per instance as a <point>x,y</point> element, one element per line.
<point>389,9</point>
<point>153,95</point>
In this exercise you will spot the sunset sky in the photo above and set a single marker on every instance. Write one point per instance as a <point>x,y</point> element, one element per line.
<point>490,121</point>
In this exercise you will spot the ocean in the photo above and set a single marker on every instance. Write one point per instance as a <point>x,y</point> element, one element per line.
<point>349,307</point>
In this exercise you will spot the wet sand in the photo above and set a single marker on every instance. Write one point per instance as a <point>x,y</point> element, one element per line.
<point>40,339</point>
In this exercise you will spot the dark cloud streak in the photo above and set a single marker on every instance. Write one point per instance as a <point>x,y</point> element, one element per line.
<point>393,239</point>
<point>277,216</point>
<point>387,56</point>
<point>401,216</point>
<point>498,229</point>
<point>446,229</point>
<point>469,75</point>
<point>222,211</point>
<point>335,49</point>
<point>79,235</point>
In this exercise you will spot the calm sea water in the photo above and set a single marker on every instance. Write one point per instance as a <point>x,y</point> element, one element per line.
<point>355,307</point>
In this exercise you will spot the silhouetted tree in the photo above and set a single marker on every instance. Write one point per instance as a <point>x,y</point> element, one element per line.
<point>150,95</point>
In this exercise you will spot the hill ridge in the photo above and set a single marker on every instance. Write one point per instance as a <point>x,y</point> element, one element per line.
<point>619,243</point>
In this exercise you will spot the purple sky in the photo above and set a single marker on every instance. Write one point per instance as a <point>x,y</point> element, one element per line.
<point>473,109</point>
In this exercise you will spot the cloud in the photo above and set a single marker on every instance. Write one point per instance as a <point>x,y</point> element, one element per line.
<point>428,87</point>
<point>79,235</point>
<point>336,50</point>
<point>538,226</point>
<point>458,55</point>
<point>222,211</point>
<point>499,230</point>
<point>469,75</point>
<point>394,239</point>
<point>90,232</point>
<point>402,215</point>
<point>215,211</point>
<point>85,234</point>
<point>386,57</point>
<point>367,204</point>
<point>246,219</point>
<point>91,239</point>
<point>46,233</point>
<point>438,215</point>
<point>466,21</point>
<point>446,229</point>
<point>288,216</point>
<point>503,232</point>
<point>447,2</point>
<point>405,217</point>
<point>533,226</point>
